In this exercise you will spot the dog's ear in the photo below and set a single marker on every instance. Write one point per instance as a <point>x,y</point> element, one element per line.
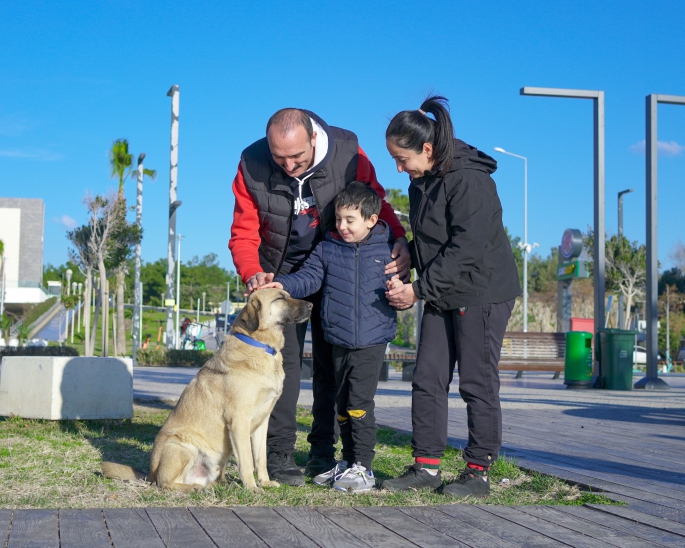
<point>248,319</point>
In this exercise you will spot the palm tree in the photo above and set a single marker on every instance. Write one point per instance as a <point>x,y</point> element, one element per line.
<point>121,164</point>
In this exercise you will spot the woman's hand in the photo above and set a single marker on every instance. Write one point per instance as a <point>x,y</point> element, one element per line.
<point>400,296</point>
<point>402,263</point>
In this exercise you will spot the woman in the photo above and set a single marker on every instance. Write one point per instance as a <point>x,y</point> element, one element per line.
<point>467,277</point>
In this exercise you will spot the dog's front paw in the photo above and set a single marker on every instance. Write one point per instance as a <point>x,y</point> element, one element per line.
<point>270,483</point>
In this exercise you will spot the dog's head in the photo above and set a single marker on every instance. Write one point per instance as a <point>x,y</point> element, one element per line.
<point>271,308</point>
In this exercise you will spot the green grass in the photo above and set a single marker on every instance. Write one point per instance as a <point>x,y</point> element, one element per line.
<point>51,464</point>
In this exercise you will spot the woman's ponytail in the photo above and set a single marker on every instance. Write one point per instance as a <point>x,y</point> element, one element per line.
<point>410,129</point>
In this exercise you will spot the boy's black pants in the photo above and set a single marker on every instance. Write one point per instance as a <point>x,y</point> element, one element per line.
<point>474,340</point>
<point>282,431</point>
<point>356,376</point>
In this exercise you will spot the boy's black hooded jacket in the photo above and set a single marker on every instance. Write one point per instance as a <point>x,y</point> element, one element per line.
<point>460,249</point>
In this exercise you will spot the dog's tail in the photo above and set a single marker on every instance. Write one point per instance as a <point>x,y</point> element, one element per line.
<point>122,472</point>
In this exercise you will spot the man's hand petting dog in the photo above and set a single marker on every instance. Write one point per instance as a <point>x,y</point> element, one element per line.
<point>257,281</point>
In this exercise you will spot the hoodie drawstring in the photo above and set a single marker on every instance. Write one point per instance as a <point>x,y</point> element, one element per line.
<point>300,205</point>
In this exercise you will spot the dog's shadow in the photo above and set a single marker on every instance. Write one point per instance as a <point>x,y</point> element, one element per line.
<point>127,441</point>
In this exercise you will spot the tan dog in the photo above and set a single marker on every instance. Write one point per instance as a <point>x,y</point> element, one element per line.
<point>225,409</point>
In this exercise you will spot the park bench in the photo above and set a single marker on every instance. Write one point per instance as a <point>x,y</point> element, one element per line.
<point>406,360</point>
<point>533,352</point>
<point>520,352</point>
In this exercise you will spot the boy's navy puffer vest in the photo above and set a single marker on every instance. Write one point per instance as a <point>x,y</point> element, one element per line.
<point>354,310</point>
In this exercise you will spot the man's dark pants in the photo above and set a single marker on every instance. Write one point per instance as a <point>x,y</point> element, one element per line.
<point>281,434</point>
<point>474,340</point>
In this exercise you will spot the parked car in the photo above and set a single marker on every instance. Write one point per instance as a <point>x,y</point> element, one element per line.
<point>640,355</point>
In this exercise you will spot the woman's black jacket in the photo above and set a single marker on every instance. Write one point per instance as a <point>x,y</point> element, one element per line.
<point>460,248</point>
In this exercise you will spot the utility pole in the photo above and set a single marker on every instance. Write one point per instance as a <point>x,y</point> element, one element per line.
<point>173,206</point>
<point>620,235</point>
<point>137,295</point>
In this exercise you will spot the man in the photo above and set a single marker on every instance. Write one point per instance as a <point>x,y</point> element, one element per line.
<point>284,194</point>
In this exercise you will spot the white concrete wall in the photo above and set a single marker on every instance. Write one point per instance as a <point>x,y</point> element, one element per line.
<point>10,230</point>
<point>38,387</point>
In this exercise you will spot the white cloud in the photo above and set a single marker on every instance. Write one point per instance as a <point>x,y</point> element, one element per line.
<point>31,154</point>
<point>670,148</point>
<point>66,221</point>
<point>13,125</point>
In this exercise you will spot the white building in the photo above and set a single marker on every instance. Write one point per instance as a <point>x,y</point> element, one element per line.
<point>22,222</point>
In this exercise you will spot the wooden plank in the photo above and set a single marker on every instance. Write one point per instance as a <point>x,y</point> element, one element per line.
<point>606,534</point>
<point>225,528</point>
<point>632,528</point>
<point>317,527</point>
<point>546,528</point>
<point>552,468</point>
<point>83,529</point>
<point>34,529</point>
<point>5,519</point>
<point>635,515</point>
<point>409,528</point>
<point>272,528</point>
<point>651,508</point>
<point>457,529</point>
<point>131,528</point>
<point>664,480</point>
<point>502,528</point>
<point>365,528</point>
<point>178,529</point>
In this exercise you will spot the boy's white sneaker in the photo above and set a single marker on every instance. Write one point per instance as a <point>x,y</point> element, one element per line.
<point>331,475</point>
<point>355,479</point>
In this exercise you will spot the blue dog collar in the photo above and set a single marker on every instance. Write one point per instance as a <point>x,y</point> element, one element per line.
<point>249,340</point>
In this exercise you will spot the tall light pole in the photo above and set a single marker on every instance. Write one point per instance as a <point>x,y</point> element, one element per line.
<point>73,311</point>
<point>137,295</point>
<point>620,234</point>
<point>173,206</point>
<point>524,246</point>
<point>599,247</point>
<point>69,273</point>
<point>652,381</point>
<point>80,305</point>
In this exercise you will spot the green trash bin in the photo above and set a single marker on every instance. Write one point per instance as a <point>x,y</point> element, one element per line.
<point>578,360</point>
<point>614,351</point>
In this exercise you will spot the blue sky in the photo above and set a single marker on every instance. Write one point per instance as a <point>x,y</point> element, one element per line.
<point>74,76</point>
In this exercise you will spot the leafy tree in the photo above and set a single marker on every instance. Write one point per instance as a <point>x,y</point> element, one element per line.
<point>625,268</point>
<point>543,272</point>
<point>675,278</point>
<point>677,255</point>
<point>125,235</point>
<point>514,242</point>
<point>6,324</point>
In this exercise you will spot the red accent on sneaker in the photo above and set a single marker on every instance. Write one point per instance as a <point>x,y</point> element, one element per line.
<point>428,461</point>
<point>476,466</point>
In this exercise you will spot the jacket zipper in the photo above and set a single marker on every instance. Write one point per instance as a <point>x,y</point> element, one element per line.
<point>413,229</point>
<point>356,296</point>
<point>287,242</point>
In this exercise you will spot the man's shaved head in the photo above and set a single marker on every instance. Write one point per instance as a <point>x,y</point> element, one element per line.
<point>286,120</point>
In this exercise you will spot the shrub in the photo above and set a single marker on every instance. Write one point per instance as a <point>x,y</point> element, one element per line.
<point>55,351</point>
<point>173,358</point>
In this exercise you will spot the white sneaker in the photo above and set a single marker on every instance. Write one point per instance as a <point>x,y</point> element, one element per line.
<point>356,479</point>
<point>329,477</point>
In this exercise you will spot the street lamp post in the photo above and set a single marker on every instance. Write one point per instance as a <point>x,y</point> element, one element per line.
<point>69,273</point>
<point>73,311</point>
<point>598,217</point>
<point>620,234</point>
<point>137,295</point>
<point>651,381</point>
<point>524,246</point>
<point>173,206</point>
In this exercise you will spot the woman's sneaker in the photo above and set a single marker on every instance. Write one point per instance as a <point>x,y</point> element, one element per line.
<point>470,482</point>
<point>356,479</point>
<point>414,478</point>
<point>329,476</point>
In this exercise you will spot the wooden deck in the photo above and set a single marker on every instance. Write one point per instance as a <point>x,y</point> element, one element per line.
<point>377,527</point>
<point>631,445</point>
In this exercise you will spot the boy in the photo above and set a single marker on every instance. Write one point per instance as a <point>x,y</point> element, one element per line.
<point>357,320</point>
